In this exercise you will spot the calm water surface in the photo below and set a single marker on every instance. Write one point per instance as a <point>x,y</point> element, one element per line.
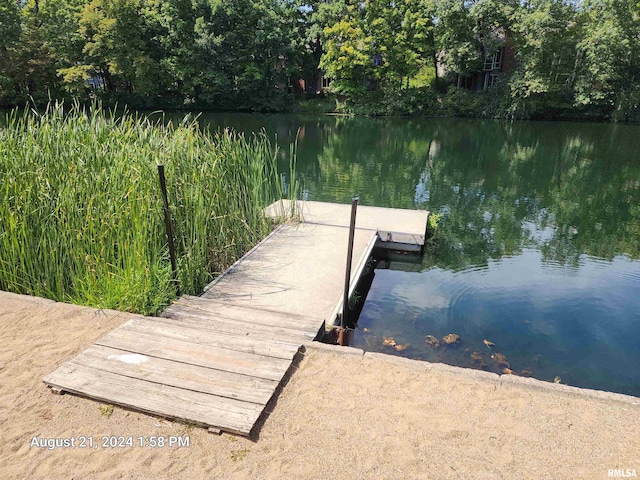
<point>537,249</point>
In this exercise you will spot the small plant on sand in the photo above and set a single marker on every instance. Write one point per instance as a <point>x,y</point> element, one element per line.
<point>187,426</point>
<point>106,410</point>
<point>238,455</point>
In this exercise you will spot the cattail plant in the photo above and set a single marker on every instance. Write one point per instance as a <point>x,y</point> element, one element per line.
<point>81,215</point>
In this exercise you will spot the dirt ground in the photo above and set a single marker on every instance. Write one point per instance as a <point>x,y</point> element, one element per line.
<point>339,415</point>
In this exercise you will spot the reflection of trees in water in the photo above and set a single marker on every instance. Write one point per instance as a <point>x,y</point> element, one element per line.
<point>577,184</point>
<point>378,160</point>
<point>567,189</point>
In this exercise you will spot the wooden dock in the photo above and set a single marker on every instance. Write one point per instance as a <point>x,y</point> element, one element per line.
<point>216,360</point>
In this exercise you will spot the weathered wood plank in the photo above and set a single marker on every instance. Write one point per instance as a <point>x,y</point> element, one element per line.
<point>180,351</point>
<point>248,316</point>
<point>298,271</point>
<point>398,237</point>
<point>171,329</point>
<point>212,302</point>
<point>178,374</point>
<point>225,413</point>
<point>246,313</point>
<point>210,321</point>
<point>400,247</point>
<point>370,218</point>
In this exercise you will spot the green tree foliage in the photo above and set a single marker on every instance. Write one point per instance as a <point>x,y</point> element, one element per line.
<point>347,56</point>
<point>377,44</point>
<point>402,36</point>
<point>466,31</point>
<point>608,53</point>
<point>9,23</point>
<point>60,20</point>
<point>568,57</point>
<point>311,19</point>
<point>455,37</point>
<point>545,35</point>
<point>28,64</point>
<point>242,51</point>
<point>171,24</point>
<point>235,54</point>
<point>10,30</point>
<point>120,44</point>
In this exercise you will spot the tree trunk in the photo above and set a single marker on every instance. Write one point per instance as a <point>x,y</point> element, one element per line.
<point>108,80</point>
<point>434,58</point>
<point>576,66</point>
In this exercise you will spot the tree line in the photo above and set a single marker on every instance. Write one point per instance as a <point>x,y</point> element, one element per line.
<point>571,57</point>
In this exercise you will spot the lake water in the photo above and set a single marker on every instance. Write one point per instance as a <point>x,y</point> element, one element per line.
<point>538,244</point>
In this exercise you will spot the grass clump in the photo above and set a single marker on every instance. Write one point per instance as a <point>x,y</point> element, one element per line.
<point>106,410</point>
<point>81,215</point>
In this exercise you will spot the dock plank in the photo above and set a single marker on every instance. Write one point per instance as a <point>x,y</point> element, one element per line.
<point>208,321</point>
<point>298,271</point>
<point>177,374</point>
<point>212,338</point>
<point>368,217</point>
<point>227,414</point>
<point>249,364</point>
<point>401,238</point>
<point>242,312</point>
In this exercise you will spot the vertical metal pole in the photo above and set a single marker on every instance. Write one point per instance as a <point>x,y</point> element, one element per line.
<point>169,230</point>
<point>343,338</point>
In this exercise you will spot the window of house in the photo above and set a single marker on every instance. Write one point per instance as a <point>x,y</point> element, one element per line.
<point>490,80</point>
<point>95,82</point>
<point>325,82</point>
<point>493,62</point>
<point>465,82</point>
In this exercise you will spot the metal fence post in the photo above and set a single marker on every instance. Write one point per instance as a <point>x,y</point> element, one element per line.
<point>169,230</point>
<point>343,337</point>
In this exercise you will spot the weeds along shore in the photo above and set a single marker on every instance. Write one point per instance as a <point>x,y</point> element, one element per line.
<point>81,211</point>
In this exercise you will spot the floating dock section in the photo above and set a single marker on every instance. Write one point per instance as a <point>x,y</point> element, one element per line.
<point>216,360</point>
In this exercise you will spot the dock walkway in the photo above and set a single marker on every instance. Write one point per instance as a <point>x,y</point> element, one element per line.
<point>216,360</point>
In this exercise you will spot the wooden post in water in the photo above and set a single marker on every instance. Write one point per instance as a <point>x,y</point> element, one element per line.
<point>343,337</point>
<point>169,230</point>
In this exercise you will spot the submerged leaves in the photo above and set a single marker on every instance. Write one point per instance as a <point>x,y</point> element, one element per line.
<point>488,343</point>
<point>500,359</point>
<point>477,360</point>
<point>388,342</point>
<point>431,340</point>
<point>451,339</point>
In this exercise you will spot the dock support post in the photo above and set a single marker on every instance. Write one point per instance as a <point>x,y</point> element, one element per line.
<point>343,337</point>
<point>169,230</point>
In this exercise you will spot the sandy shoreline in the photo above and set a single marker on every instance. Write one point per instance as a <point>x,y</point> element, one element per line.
<point>338,416</point>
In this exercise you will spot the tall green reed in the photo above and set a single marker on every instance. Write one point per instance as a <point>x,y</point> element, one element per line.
<point>81,213</point>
